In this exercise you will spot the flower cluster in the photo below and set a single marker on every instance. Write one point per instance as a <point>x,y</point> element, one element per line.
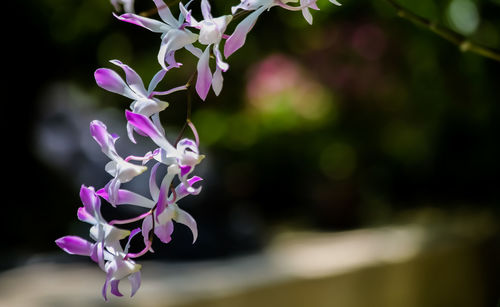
<point>203,38</point>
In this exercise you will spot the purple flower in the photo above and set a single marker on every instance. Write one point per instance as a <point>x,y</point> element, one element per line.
<point>173,34</point>
<point>144,101</point>
<point>117,265</point>
<point>185,154</point>
<point>120,266</point>
<point>101,232</point>
<point>106,251</point>
<point>165,205</point>
<point>75,245</point>
<point>121,170</point>
<point>211,33</point>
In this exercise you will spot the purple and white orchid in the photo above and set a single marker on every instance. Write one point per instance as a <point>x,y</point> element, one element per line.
<point>185,154</point>
<point>122,170</point>
<point>174,35</point>
<point>162,208</point>
<point>144,101</point>
<point>118,266</point>
<point>107,250</point>
<point>211,33</point>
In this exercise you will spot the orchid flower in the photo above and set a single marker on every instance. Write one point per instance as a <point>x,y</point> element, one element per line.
<point>185,154</point>
<point>122,170</point>
<point>181,158</point>
<point>163,207</point>
<point>128,5</point>
<point>237,39</point>
<point>106,251</point>
<point>144,101</point>
<point>211,33</point>
<point>174,36</point>
<point>118,266</point>
<point>101,232</point>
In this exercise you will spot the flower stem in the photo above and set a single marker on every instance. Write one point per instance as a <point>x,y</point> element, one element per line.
<point>131,220</point>
<point>144,251</point>
<point>188,110</point>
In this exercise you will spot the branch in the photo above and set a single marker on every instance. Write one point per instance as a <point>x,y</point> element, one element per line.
<point>461,41</point>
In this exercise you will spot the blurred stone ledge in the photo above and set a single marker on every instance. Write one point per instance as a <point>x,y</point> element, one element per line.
<point>446,264</point>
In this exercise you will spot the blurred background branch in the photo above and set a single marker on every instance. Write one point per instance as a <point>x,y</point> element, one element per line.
<point>463,43</point>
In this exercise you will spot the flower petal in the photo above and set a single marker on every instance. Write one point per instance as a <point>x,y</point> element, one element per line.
<point>147,225</point>
<point>307,15</point>
<point>205,10</point>
<point>185,218</point>
<point>185,169</point>
<point>91,201</point>
<point>153,187</point>
<point>114,234</point>
<point>97,254</point>
<point>126,197</point>
<point>133,79</point>
<point>218,59</point>
<point>164,231</point>
<point>130,236</point>
<point>75,245</point>
<point>149,106</point>
<point>217,81</point>
<point>156,121</point>
<point>130,133</point>
<point>194,50</point>
<point>162,200</point>
<point>111,81</point>
<point>114,287</point>
<point>109,275</point>
<point>174,39</point>
<point>106,141</point>
<point>148,23</point>
<point>182,190</point>
<point>237,39</point>
<point>135,282</point>
<point>112,188</point>
<point>171,61</point>
<point>165,13</point>
<point>204,79</point>
<point>127,171</point>
<point>156,79</point>
<point>186,15</point>
<point>84,216</point>
<point>145,125</point>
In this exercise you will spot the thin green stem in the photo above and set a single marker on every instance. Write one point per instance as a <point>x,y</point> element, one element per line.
<point>461,41</point>
<point>188,108</point>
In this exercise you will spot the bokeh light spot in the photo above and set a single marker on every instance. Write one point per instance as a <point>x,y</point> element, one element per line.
<point>211,125</point>
<point>338,160</point>
<point>463,16</point>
